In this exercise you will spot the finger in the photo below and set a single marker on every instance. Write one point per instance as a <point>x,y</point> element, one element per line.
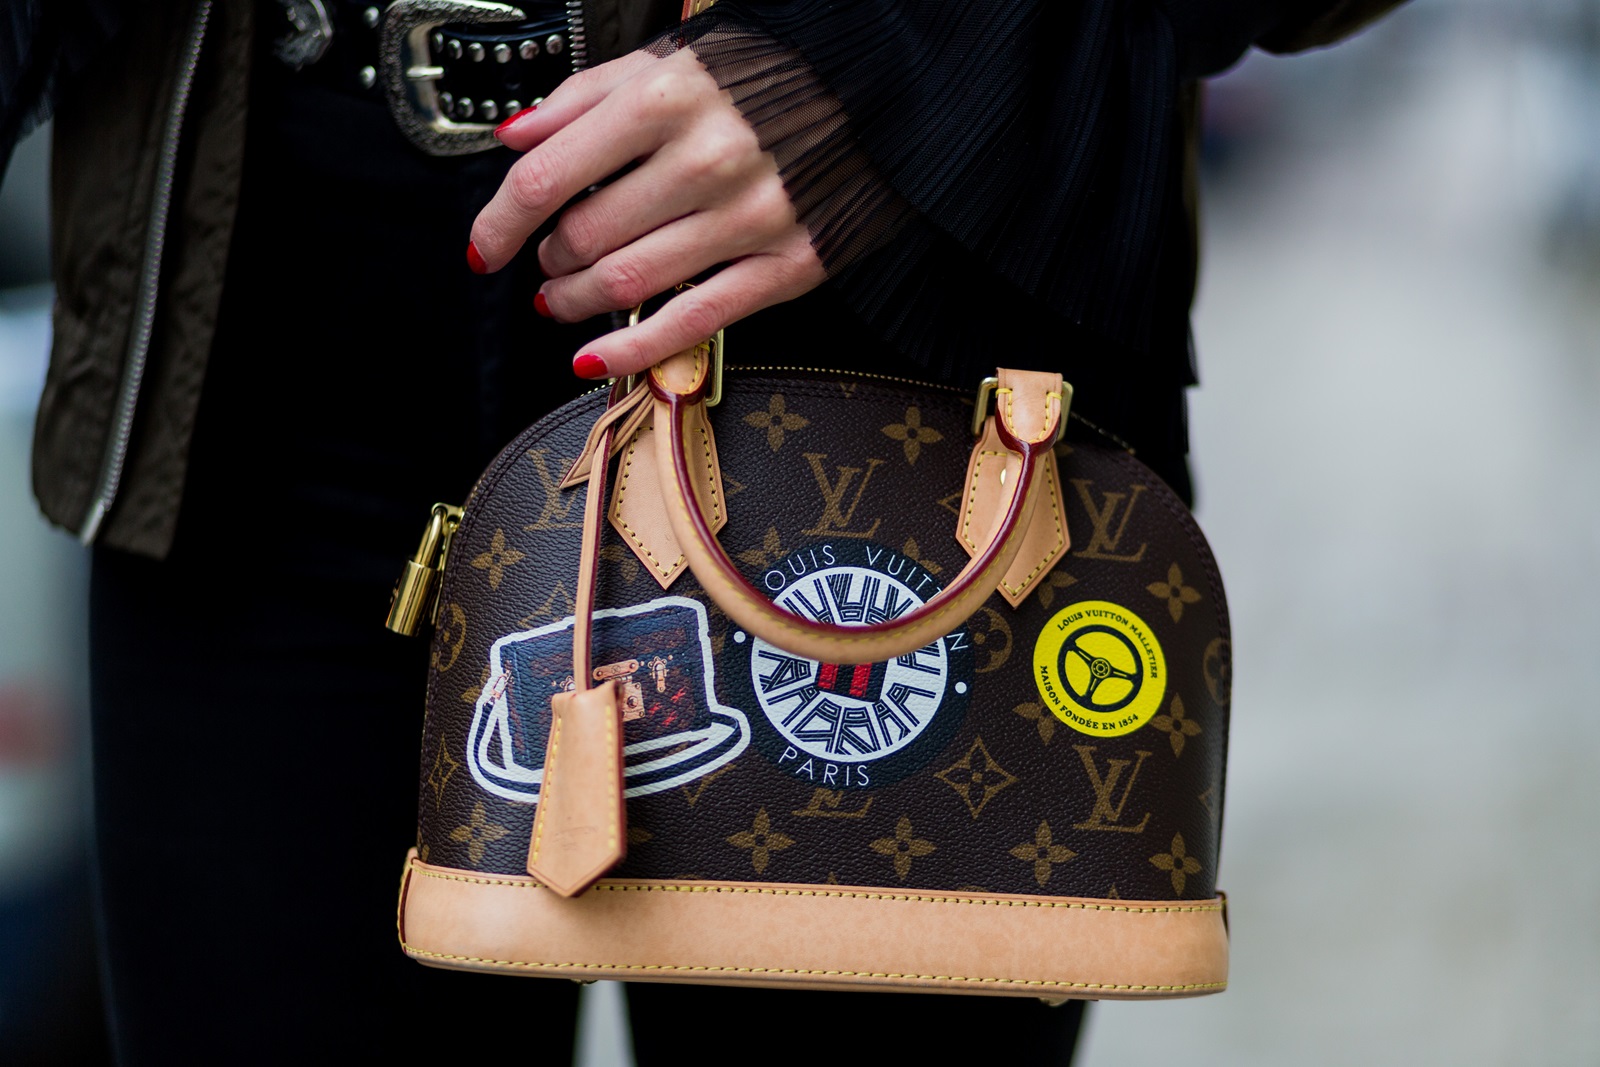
<point>630,123</point>
<point>740,289</point>
<point>616,215</point>
<point>572,98</point>
<point>598,144</point>
<point>651,265</point>
<point>699,169</point>
<point>760,220</point>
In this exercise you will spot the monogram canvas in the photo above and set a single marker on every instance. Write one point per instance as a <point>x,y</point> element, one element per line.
<point>1070,747</point>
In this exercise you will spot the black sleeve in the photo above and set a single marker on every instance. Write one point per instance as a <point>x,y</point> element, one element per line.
<point>42,41</point>
<point>1212,35</point>
<point>966,162</point>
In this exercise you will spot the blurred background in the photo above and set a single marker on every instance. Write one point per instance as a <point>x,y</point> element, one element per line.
<point>1397,446</point>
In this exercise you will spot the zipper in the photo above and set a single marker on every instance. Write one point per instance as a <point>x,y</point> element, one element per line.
<point>116,455</point>
<point>852,373</point>
<point>577,35</point>
<point>1072,416</point>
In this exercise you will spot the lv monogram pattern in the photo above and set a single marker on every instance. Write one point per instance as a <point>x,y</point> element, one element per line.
<point>995,794</point>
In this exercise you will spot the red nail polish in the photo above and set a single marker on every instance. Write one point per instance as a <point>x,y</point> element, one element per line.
<point>508,123</point>
<point>475,259</point>
<point>589,365</point>
<point>541,305</point>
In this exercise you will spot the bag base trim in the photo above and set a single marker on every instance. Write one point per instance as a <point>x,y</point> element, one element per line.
<point>815,937</point>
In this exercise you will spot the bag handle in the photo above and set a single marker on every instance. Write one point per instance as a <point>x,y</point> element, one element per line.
<point>1027,421</point>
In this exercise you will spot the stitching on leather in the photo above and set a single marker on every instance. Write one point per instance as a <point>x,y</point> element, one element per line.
<point>972,495</point>
<point>632,534</point>
<point>1055,517</point>
<point>547,786</point>
<point>662,379</point>
<point>906,898</point>
<point>713,483</point>
<point>710,969</point>
<point>613,776</point>
<point>1050,420</point>
<point>618,417</point>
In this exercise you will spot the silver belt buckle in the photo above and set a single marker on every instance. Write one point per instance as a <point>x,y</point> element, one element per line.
<point>410,82</point>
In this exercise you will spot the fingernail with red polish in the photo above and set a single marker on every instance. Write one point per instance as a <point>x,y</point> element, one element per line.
<point>512,121</point>
<point>541,305</point>
<point>475,259</point>
<point>589,365</point>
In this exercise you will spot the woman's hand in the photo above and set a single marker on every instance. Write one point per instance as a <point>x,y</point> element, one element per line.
<point>704,193</point>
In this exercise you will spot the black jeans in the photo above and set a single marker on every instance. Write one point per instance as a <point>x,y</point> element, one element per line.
<point>256,730</point>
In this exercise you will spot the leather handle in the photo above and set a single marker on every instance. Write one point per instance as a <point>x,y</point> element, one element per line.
<point>1027,424</point>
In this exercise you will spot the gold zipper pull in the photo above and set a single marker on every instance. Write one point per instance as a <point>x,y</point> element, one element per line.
<point>416,591</point>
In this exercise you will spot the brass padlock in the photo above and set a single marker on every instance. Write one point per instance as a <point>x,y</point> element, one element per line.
<point>416,591</point>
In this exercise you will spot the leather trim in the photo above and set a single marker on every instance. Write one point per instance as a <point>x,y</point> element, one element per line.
<point>639,507</point>
<point>626,415</point>
<point>1045,540</point>
<point>580,830</point>
<point>817,937</point>
<point>1028,403</point>
<point>683,374</point>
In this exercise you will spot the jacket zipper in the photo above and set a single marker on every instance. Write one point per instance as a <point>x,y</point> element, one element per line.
<point>577,36</point>
<point>116,454</point>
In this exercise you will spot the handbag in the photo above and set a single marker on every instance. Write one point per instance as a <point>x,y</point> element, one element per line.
<point>814,678</point>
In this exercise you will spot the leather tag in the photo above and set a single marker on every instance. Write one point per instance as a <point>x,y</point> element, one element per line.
<point>1044,543</point>
<point>625,416</point>
<point>579,832</point>
<point>639,510</point>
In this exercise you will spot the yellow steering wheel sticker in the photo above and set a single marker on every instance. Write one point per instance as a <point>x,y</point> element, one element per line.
<point>1099,668</point>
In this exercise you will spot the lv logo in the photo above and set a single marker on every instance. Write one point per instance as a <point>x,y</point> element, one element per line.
<point>556,514</point>
<point>829,804</point>
<point>1103,542</point>
<point>836,518</point>
<point>1105,815</point>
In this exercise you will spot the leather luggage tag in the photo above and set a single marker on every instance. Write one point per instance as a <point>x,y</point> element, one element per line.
<point>578,833</point>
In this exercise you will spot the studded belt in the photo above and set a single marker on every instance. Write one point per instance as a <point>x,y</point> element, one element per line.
<point>449,70</point>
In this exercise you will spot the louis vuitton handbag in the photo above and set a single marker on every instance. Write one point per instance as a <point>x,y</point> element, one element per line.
<point>817,679</point>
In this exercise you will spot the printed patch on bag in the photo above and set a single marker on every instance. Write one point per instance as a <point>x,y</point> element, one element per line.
<point>1099,668</point>
<point>852,725</point>
<point>659,653</point>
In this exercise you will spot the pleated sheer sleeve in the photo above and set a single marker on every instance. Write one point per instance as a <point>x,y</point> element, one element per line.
<point>963,163</point>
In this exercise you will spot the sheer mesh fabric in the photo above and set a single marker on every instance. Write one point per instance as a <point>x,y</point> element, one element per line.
<point>966,167</point>
<point>836,191</point>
